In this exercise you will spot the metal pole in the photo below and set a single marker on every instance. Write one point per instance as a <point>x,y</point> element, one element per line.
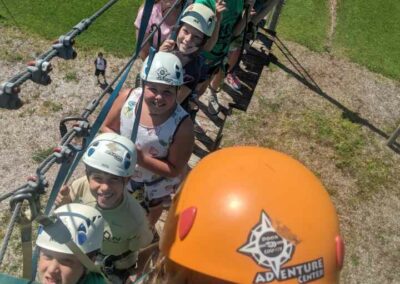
<point>393,137</point>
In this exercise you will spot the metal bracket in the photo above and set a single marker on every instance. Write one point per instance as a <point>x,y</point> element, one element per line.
<point>9,96</point>
<point>64,47</point>
<point>39,72</point>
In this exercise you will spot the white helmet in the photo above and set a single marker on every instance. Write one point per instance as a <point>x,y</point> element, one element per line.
<point>200,17</point>
<point>166,68</point>
<point>85,224</point>
<point>111,153</point>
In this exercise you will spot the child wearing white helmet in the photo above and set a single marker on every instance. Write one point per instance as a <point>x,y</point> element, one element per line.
<point>110,161</point>
<point>196,27</point>
<point>57,263</point>
<point>165,134</point>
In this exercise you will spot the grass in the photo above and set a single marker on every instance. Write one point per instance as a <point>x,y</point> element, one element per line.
<point>306,22</point>
<point>274,125</point>
<point>41,154</point>
<point>71,76</point>
<point>112,32</point>
<point>368,32</point>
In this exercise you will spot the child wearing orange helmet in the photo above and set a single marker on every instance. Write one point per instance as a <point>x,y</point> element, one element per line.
<point>251,215</point>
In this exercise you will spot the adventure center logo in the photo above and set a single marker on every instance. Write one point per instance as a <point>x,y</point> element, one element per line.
<point>270,250</point>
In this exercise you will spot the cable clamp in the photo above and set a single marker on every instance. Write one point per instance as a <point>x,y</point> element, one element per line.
<point>64,47</point>
<point>83,25</point>
<point>39,70</point>
<point>9,95</point>
<point>62,153</point>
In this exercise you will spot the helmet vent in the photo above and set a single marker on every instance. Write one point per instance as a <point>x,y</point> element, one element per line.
<point>186,221</point>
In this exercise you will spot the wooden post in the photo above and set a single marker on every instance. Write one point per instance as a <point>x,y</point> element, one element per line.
<point>275,16</point>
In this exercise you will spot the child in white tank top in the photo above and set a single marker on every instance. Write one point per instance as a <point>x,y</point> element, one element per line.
<point>165,135</point>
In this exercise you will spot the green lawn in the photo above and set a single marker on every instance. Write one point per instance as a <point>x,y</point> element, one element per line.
<point>368,31</point>
<point>112,32</point>
<point>306,22</point>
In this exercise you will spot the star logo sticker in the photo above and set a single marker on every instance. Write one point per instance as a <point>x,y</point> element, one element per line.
<point>266,247</point>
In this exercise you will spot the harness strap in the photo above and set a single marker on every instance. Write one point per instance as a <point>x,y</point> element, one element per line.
<point>60,233</point>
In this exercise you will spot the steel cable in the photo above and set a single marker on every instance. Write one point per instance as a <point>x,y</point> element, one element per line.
<point>9,231</point>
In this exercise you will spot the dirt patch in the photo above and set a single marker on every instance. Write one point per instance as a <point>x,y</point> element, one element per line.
<point>332,25</point>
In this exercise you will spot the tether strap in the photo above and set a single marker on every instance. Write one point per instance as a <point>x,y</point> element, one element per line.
<point>135,127</point>
<point>57,230</point>
<point>174,33</point>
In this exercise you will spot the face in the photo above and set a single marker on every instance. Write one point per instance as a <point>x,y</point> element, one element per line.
<point>106,188</point>
<point>159,98</point>
<point>189,39</point>
<point>60,268</point>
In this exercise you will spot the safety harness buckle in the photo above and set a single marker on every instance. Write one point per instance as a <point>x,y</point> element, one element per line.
<point>29,194</point>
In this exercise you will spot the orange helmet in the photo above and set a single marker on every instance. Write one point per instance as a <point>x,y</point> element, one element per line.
<point>253,215</point>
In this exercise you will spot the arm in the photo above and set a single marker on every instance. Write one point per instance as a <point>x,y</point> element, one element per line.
<point>178,156</point>
<point>112,122</point>
<point>168,45</point>
<point>64,196</point>
<point>220,8</point>
<point>239,27</point>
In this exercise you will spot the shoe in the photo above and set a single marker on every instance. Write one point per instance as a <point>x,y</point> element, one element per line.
<point>213,105</point>
<point>138,81</point>
<point>198,127</point>
<point>232,81</point>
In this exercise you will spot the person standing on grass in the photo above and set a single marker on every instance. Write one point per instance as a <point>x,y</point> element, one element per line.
<point>100,64</point>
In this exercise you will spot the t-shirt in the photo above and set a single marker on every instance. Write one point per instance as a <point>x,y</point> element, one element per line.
<point>126,227</point>
<point>155,18</point>
<point>193,69</point>
<point>209,3</point>
<point>154,141</point>
<point>230,18</point>
<point>101,63</point>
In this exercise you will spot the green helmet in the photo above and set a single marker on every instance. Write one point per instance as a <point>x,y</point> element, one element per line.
<point>200,17</point>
